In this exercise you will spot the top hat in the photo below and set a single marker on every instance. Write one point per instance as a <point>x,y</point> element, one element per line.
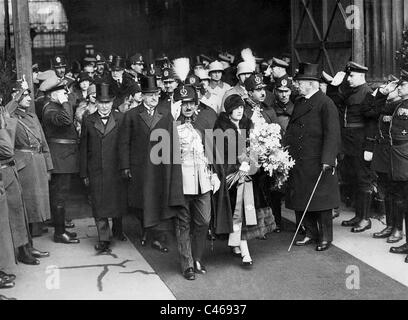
<point>104,93</point>
<point>149,84</point>
<point>185,93</point>
<point>118,64</point>
<point>155,71</point>
<point>233,102</point>
<point>254,82</point>
<point>136,59</point>
<point>58,62</point>
<point>308,71</point>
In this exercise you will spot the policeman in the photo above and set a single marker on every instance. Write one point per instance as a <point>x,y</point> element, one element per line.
<point>62,138</point>
<point>356,162</point>
<point>59,65</point>
<point>134,67</point>
<point>101,74</point>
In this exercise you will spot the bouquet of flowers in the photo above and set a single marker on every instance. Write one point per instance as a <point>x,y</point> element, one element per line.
<point>266,150</point>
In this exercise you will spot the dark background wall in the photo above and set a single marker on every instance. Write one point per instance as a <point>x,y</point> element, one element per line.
<point>178,27</point>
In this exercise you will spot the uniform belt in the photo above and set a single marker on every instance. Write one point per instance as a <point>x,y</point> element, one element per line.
<point>354,125</point>
<point>38,149</point>
<point>399,142</point>
<point>7,163</point>
<point>64,141</point>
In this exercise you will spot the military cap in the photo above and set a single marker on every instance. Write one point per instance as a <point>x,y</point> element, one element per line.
<point>279,63</point>
<point>100,59</point>
<point>193,80</point>
<point>254,82</point>
<point>89,59</point>
<point>53,83</point>
<point>205,58</point>
<point>404,76</point>
<point>283,84</point>
<point>355,67</point>
<point>136,59</point>
<point>42,76</point>
<point>58,62</point>
<point>185,93</point>
<point>168,75</point>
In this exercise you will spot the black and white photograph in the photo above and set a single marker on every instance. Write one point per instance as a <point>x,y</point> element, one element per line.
<point>210,152</point>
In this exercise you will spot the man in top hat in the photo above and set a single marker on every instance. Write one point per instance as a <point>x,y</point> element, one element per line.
<point>99,162</point>
<point>118,81</point>
<point>355,128</point>
<point>313,139</point>
<point>217,86</point>
<point>101,74</point>
<point>133,152</point>
<point>62,138</point>
<point>135,66</point>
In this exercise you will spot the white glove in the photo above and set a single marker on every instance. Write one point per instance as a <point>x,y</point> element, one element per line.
<point>216,183</point>
<point>338,79</point>
<point>368,156</point>
<point>392,86</point>
<point>245,167</point>
<point>62,97</point>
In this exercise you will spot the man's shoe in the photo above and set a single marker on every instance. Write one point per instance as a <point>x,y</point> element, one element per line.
<point>306,241</point>
<point>362,226</point>
<point>383,234</point>
<point>65,238</point>
<point>247,264</point>
<point>323,246</point>
<point>7,277</point>
<point>103,248</point>
<point>199,268</point>
<point>120,237</point>
<point>71,234</point>
<point>158,246</point>
<point>395,237</point>
<point>39,254</point>
<point>400,250</point>
<point>236,252</point>
<point>351,223</point>
<point>28,260</point>
<point>189,274</point>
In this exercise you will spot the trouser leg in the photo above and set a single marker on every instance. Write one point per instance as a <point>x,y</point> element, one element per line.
<point>310,223</point>
<point>183,221</point>
<point>276,201</point>
<point>117,226</point>
<point>59,190</point>
<point>201,216</point>
<point>102,225</point>
<point>325,225</point>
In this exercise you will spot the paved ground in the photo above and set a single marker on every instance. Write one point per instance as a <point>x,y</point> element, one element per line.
<point>132,272</point>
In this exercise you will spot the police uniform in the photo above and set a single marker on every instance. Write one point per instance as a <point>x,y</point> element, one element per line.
<point>355,125</point>
<point>63,141</point>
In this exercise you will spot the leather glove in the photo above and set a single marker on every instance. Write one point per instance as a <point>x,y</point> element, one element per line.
<point>86,182</point>
<point>368,156</point>
<point>126,174</point>
<point>216,183</point>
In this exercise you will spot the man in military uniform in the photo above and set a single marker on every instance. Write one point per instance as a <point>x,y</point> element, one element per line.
<point>170,84</point>
<point>313,138</point>
<point>399,156</point>
<point>357,160</point>
<point>101,74</point>
<point>134,67</point>
<point>62,138</point>
<point>59,65</point>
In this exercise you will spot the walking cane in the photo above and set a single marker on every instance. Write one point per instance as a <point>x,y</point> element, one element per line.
<point>307,208</point>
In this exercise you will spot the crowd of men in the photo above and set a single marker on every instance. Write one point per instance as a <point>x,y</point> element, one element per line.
<point>97,119</point>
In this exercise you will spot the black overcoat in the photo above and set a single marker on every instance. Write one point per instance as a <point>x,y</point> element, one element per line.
<point>313,139</point>
<point>99,161</point>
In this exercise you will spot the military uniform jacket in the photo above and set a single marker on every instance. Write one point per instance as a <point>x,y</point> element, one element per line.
<point>33,162</point>
<point>284,113</point>
<point>99,161</point>
<point>355,124</point>
<point>58,124</point>
<point>313,139</point>
<point>399,142</point>
<point>268,113</point>
<point>134,144</point>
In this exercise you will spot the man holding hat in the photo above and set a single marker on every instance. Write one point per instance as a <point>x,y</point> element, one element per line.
<point>313,139</point>
<point>62,138</point>
<point>356,147</point>
<point>134,153</point>
<point>217,87</point>
<point>99,162</point>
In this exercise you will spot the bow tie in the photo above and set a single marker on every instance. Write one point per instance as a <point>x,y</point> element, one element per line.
<point>105,118</point>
